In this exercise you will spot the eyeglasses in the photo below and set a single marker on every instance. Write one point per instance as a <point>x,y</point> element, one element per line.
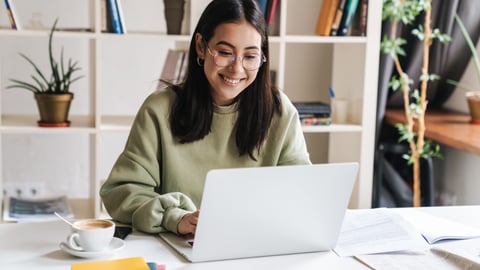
<point>227,58</point>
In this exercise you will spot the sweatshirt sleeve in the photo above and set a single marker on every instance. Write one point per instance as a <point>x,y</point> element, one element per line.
<point>129,194</point>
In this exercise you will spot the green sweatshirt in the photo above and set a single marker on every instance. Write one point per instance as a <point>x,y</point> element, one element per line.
<point>156,180</point>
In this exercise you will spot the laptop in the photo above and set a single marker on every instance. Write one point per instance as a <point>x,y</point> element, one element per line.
<point>265,211</point>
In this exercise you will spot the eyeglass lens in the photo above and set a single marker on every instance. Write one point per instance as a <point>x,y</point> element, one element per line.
<point>224,58</point>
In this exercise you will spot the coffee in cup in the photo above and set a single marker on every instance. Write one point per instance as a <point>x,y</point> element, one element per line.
<point>91,234</point>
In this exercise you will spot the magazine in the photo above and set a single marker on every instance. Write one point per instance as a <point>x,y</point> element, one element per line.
<point>23,209</point>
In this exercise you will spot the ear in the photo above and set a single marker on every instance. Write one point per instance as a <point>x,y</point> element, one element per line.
<point>199,46</point>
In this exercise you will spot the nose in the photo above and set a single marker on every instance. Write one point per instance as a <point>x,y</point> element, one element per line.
<point>237,64</point>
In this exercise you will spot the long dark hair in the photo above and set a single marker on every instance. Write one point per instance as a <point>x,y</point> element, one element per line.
<point>192,111</point>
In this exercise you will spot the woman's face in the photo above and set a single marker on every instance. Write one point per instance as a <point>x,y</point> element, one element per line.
<point>240,40</point>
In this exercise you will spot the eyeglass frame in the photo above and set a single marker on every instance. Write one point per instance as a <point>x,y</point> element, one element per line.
<point>263,59</point>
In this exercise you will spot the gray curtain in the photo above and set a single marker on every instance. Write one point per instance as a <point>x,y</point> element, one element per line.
<point>447,60</point>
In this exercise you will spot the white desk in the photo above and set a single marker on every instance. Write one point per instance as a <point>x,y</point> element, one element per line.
<point>36,246</point>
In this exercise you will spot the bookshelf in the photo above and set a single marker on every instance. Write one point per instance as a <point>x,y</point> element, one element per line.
<point>121,70</point>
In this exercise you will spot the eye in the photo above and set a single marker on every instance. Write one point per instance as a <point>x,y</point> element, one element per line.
<point>252,56</point>
<point>225,53</point>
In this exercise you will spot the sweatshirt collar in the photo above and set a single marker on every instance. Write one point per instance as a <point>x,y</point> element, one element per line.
<point>225,109</point>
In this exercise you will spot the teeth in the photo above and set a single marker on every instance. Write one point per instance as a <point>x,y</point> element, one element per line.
<point>232,81</point>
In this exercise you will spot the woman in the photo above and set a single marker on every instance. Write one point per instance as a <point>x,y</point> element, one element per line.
<point>226,114</point>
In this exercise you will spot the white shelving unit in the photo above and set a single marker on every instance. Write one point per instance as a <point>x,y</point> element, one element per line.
<point>120,71</point>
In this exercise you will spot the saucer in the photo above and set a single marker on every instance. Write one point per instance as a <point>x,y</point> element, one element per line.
<point>115,245</point>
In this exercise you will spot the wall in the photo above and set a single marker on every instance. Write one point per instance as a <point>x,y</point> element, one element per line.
<point>457,176</point>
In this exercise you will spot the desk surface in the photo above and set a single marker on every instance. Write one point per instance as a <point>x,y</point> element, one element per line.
<point>36,246</point>
<point>27,246</point>
<point>445,127</point>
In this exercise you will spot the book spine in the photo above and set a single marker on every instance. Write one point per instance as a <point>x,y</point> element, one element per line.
<point>178,67</point>
<point>338,17</point>
<point>272,6</point>
<point>183,69</point>
<point>347,18</point>
<point>263,5</point>
<point>113,9</point>
<point>11,15</point>
<point>120,16</point>
<point>105,17</point>
<point>326,17</point>
<point>315,121</point>
<point>359,27</point>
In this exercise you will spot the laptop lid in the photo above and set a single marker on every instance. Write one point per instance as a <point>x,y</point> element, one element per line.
<point>262,211</point>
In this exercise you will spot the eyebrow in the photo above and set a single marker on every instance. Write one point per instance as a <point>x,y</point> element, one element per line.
<point>232,46</point>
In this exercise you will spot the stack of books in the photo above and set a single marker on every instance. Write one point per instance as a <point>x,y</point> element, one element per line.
<point>313,113</point>
<point>342,18</point>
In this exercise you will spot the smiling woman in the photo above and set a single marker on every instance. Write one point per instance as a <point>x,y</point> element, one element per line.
<point>225,114</point>
<point>234,62</point>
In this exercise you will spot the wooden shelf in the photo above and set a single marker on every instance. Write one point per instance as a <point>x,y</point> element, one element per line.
<point>445,127</point>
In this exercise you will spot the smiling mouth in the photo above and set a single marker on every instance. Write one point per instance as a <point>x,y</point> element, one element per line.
<point>230,80</point>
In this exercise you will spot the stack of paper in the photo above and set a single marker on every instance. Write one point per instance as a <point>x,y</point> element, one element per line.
<point>389,239</point>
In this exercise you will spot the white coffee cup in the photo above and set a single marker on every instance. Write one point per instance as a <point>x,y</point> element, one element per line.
<point>91,234</point>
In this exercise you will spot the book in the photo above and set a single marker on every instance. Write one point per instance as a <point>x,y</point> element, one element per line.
<point>22,209</point>
<point>326,17</point>
<point>271,10</point>
<point>106,22</point>
<point>317,108</point>
<point>312,120</point>
<point>183,67</point>
<point>435,229</point>
<point>121,17</point>
<point>359,25</point>
<point>407,229</point>
<point>174,68</point>
<point>11,15</point>
<point>338,17</point>
<point>263,4</point>
<point>132,263</point>
<point>115,16</point>
<point>347,17</point>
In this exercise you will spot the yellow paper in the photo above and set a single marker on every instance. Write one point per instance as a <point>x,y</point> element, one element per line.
<point>134,263</point>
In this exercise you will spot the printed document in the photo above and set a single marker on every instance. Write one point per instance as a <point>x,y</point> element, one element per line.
<point>368,231</point>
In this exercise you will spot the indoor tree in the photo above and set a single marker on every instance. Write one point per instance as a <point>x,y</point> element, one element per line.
<point>414,100</point>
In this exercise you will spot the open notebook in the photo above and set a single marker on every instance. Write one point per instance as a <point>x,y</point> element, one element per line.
<point>251,212</point>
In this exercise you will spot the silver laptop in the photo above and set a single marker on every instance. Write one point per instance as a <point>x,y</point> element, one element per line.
<point>263,211</point>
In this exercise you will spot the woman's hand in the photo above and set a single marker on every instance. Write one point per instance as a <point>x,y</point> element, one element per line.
<point>188,224</point>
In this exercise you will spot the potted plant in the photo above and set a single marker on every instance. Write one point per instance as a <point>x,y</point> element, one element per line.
<point>472,95</point>
<point>415,100</point>
<point>52,93</point>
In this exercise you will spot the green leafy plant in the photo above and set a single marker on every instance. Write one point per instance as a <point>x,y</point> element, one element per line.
<point>59,81</point>
<point>415,101</point>
<point>473,51</point>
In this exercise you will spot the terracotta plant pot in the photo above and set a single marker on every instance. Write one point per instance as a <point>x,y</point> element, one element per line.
<point>53,109</point>
<point>473,100</point>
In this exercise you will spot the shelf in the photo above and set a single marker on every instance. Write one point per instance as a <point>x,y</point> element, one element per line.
<point>320,39</point>
<point>45,33</point>
<point>122,69</point>
<point>332,128</point>
<point>445,127</point>
<point>27,124</point>
<point>146,35</point>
